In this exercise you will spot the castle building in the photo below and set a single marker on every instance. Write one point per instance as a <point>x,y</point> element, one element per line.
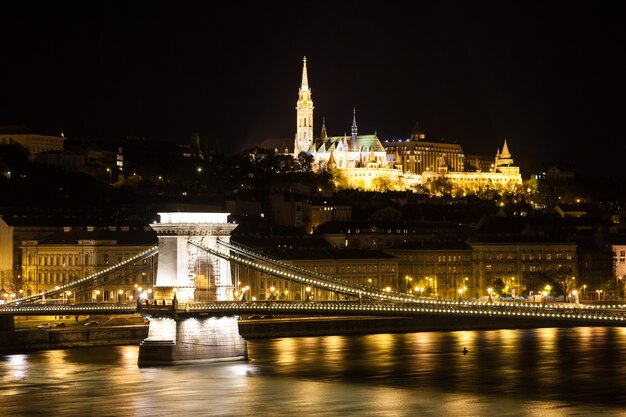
<point>416,155</point>
<point>363,162</point>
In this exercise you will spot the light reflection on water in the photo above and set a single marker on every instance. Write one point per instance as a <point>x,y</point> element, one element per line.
<point>547,372</point>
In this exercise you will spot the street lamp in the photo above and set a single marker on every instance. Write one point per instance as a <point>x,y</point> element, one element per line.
<point>308,293</point>
<point>513,289</point>
<point>490,290</point>
<point>460,295</point>
<point>407,279</point>
<point>110,173</point>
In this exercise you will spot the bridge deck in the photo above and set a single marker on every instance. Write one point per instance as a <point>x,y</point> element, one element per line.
<point>566,313</point>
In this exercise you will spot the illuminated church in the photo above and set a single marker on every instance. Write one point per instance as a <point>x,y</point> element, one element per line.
<point>360,159</point>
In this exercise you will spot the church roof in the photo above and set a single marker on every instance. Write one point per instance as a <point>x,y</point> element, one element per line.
<point>364,143</point>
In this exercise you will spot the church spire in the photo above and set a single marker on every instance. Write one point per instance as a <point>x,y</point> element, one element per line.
<point>304,115</point>
<point>354,129</point>
<point>323,135</point>
<point>305,77</point>
<point>505,151</point>
<point>504,158</point>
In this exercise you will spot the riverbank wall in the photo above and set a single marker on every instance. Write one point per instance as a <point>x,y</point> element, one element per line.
<point>29,340</point>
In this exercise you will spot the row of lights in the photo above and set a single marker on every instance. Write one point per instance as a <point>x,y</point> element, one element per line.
<point>329,307</point>
<point>67,309</point>
<point>397,309</point>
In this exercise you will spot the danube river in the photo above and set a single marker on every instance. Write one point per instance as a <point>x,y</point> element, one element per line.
<point>542,372</point>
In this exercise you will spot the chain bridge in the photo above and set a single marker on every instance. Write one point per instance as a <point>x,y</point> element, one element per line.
<point>185,329</point>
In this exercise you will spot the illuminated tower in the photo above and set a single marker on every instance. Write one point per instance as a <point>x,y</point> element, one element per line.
<point>354,131</point>
<point>304,116</point>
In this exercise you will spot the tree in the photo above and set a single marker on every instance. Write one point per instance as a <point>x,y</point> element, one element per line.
<point>441,186</point>
<point>562,280</point>
<point>500,287</point>
<point>305,161</point>
<point>8,281</point>
<point>381,184</point>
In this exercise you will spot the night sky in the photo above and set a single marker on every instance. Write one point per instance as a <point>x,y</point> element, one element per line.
<point>547,76</point>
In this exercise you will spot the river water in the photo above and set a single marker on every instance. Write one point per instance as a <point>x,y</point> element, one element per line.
<point>530,372</point>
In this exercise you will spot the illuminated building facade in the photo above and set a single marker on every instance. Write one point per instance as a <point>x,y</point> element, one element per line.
<point>504,176</point>
<point>32,142</point>
<point>522,263</point>
<point>67,256</point>
<point>438,269</point>
<point>416,155</point>
<point>371,268</point>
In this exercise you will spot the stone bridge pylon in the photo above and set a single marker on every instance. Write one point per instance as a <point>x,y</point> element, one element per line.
<point>178,338</point>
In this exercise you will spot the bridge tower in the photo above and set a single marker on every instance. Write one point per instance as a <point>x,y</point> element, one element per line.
<point>174,337</point>
<point>177,258</point>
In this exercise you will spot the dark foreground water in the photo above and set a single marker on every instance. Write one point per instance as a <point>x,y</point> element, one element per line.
<point>542,372</point>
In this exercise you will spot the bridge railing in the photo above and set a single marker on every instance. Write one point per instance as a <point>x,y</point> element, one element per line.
<point>573,313</point>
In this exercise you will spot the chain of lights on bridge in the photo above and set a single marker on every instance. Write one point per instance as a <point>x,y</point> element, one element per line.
<point>149,252</point>
<point>396,304</point>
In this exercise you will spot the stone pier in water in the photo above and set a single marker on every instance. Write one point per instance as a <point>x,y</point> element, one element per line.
<point>174,339</point>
